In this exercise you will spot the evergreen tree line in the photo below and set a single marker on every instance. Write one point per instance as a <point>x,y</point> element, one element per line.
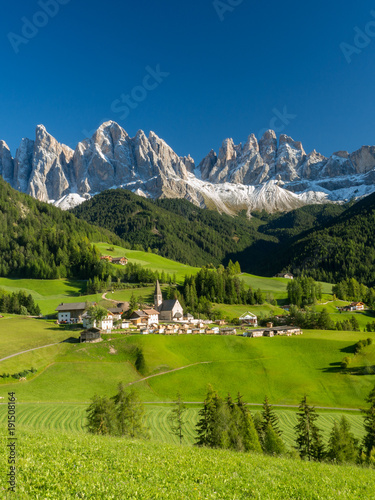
<point>18,303</point>
<point>350,289</point>
<point>228,424</point>
<point>312,319</point>
<point>220,286</point>
<point>303,291</point>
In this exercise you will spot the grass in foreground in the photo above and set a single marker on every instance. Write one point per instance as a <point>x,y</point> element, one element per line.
<point>64,466</point>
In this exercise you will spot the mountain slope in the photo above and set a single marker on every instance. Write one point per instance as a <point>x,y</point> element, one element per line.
<point>177,229</point>
<point>343,248</point>
<point>38,240</point>
<point>270,174</point>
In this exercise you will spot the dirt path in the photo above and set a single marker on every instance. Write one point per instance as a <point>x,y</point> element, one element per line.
<point>110,300</point>
<point>29,350</point>
<point>170,371</point>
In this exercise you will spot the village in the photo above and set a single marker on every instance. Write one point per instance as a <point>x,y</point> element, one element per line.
<point>165,317</point>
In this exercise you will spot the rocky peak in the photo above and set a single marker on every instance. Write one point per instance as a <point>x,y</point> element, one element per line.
<point>6,163</point>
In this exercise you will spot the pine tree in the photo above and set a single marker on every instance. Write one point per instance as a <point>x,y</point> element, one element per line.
<point>134,414</point>
<point>176,418</point>
<point>342,445</point>
<point>272,442</point>
<point>247,430</point>
<point>309,443</point>
<point>205,423</point>
<point>101,416</point>
<point>369,424</point>
<point>269,417</point>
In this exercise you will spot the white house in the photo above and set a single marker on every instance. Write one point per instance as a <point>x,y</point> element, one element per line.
<point>249,319</point>
<point>106,324</point>
<point>71,313</point>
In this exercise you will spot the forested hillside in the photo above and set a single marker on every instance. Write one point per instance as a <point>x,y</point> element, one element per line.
<point>342,249</point>
<point>174,228</point>
<point>38,240</point>
<point>180,231</point>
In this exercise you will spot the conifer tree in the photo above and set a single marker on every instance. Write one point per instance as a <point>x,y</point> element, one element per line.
<point>101,416</point>
<point>369,424</point>
<point>247,430</point>
<point>308,440</point>
<point>269,417</point>
<point>342,445</point>
<point>176,418</point>
<point>272,442</point>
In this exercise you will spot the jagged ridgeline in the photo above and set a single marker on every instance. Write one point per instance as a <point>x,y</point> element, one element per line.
<point>38,240</point>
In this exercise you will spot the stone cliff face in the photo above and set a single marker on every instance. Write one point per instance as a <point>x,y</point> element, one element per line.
<point>268,173</point>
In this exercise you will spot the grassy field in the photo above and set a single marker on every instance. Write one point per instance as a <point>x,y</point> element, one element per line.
<point>284,368</point>
<point>65,465</point>
<point>20,334</point>
<point>50,293</point>
<point>149,260</point>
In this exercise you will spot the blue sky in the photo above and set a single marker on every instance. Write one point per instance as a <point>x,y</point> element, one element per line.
<point>225,69</point>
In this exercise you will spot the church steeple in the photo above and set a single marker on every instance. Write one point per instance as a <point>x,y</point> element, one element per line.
<point>158,297</point>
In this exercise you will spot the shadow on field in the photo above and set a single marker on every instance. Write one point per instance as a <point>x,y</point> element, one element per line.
<point>357,370</point>
<point>70,340</point>
<point>349,350</point>
<point>333,368</point>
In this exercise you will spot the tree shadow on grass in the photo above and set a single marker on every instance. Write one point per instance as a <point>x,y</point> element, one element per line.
<point>70,340</point>
<point>355,370</point>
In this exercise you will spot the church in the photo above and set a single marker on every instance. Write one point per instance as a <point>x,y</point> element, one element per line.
<point>170,310</point>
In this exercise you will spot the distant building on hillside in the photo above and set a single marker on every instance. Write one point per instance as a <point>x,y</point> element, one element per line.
<point>72,313</point>
<point>170,310</point>
<point>354,306</point>
<point>289,276</point>
<point>249,319</point>
<point>91,335</point>
<point>145,317</point>
<point>120,260</point>
<point>104,325</point>
<point>274,331</point>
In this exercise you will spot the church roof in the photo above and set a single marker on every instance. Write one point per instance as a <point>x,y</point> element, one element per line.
<point>168,305</point>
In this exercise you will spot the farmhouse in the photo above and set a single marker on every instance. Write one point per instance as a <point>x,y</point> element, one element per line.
<point>354,306</point>
<point>170,310</point>
<point>71,313</point>
<point>289,276</point>
<point>249,319</point>
<point>105,324</point>
<point>145,317</point>
<point>108,258</point>
<point>122,261</point>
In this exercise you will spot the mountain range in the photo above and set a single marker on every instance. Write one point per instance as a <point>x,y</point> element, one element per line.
<point>273,173</point>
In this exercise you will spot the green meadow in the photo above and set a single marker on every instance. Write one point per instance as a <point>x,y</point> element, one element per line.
<point>284,368</point>
<point>55,464</point>
<point>149,260</point>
